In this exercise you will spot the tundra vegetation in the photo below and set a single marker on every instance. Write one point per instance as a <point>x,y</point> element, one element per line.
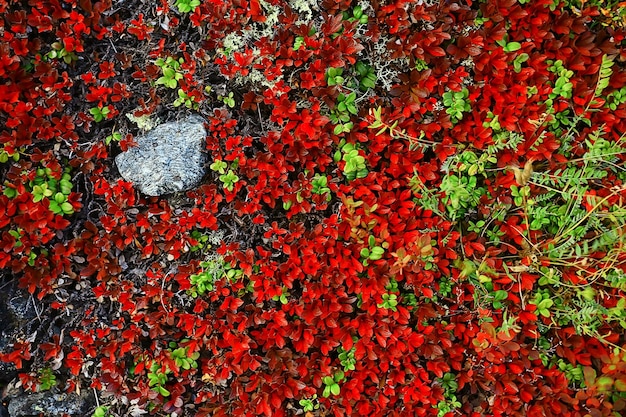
<point>412,208</point>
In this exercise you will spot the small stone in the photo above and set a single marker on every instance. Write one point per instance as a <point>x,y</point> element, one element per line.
<point>168,159</point>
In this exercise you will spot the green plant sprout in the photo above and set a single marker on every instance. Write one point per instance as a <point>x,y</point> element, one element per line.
<point>189,101</point>
<point>420,65</point>
<point>170,68</point>
<point>229,100</point>
<point>114,136</point>
<point>354,163</point>
<point>187,6</point>
<point>366,75</point>
<point>319,185</point>
<point>47,379</point>
<point>157,378</point>
<point>309,404</point>
<point>509,46</point>
<point>519,60</point>
<point>334,76</point>
<point>342,113</point>
<point>44,186</point>
<point>100,411</point>
<point>213,270</point>
<point>390,302</point>
<point>357,15</point>
<point>59,52</point>
<point>283,297</point>
<point>331,384</point>
<point>346,357</point>
<point>562,87</point>
<point>372,252</point>
<point>228,178</point>
<point>202,241</point>
<point>457,103</point>
<point>5,154</point>
<point>99,113</point>
<point>450,402</point>
<point>181,356</point>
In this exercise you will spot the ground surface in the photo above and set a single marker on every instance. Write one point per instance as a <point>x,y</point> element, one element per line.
<point>411,208</point>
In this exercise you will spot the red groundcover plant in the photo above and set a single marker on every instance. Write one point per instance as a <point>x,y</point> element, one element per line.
<point>412,208</point>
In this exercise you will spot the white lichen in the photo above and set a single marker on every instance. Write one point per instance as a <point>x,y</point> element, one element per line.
<point>144,122</point>
<point>305,9</point>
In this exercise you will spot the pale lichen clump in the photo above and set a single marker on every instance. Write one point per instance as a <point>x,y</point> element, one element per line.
<point>387,69</point>
<point>238,41</point>
<point>144,122</point>
<point>305,8</point>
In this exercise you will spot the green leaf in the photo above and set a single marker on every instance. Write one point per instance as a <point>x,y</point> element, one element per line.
<point>512,47</point>
<point>67,208</point>
<point>377,253</point>
<point>163,391</point>
<point>334,389</point>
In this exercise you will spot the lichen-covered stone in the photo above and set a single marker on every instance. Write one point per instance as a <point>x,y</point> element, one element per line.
<point>168,159</point>
<point>51,404</point>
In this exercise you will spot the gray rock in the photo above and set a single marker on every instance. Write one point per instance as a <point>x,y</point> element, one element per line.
<point>169,158</point>
<point>51,404</point>
<point>16,311</point>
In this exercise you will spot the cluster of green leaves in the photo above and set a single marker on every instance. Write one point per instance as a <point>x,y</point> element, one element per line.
<point>342,113</point>
<point>331,384</point>
<point>157,378</point>
<point>309,404</point>
<point>616,98</point>
<point>47,379</point>
<point>100,411</point>
<point>187,6</point>
<point>212,270</point>
<point>283,297</point>
<point>354,162</point>
<point>509,46</point>
<point>114,136</point>
<point>420,65</point>
<point>519,60</point>
<point>319,185</point>
<point>171,70</point>
<point>100,113</point>
<point>181,356</point>
<point>189,101</point>
<point>334,76</point>
<point>59,52</point>
<point>6,154</point>
<point>366,75</point>
<point>462,193</point>
<point>229,100</point>
<point>371,253</point>
<point>158,375</point>
<point>202,241</point>
<point>562,87</point>
<point>356,15</point>
<point>44,186</point>
<point>450,402</point>
<point>361,78</point>
<point>346,357</point>
<point>228,178</point>
<point>390,298</point>
<point>457,102</point>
